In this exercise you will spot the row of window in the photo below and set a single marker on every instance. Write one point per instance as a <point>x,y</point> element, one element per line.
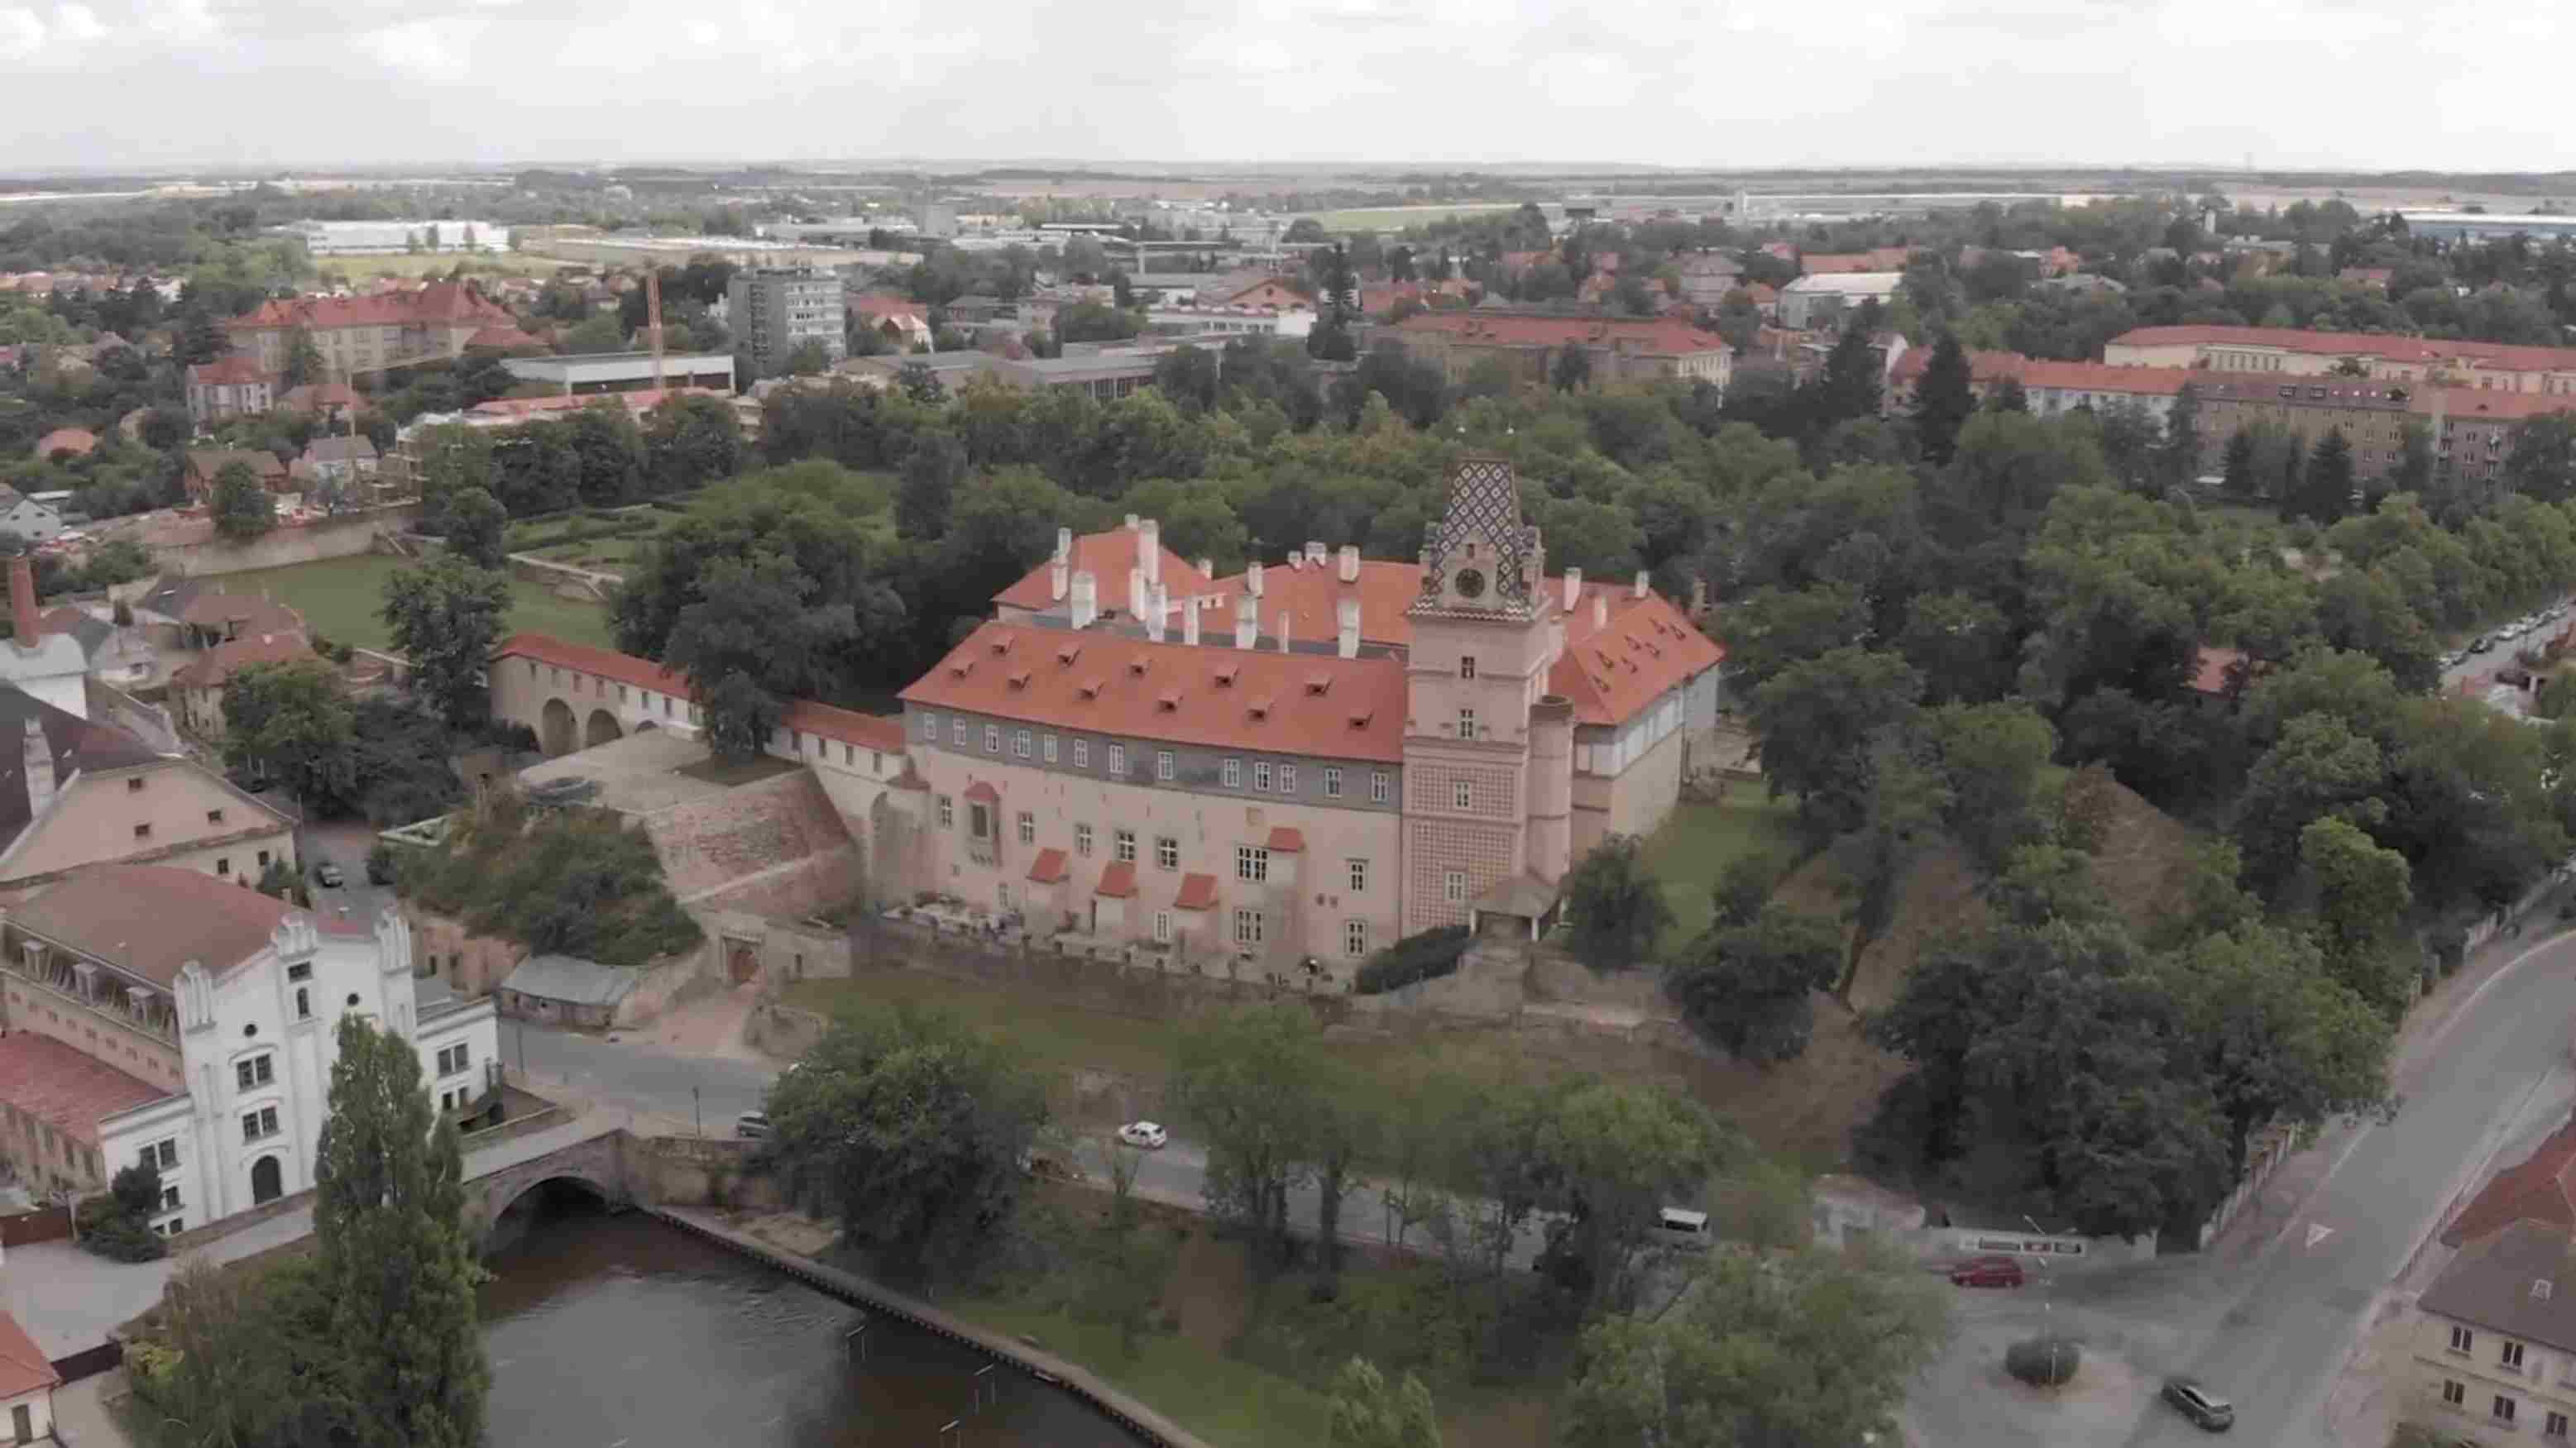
<point>1250,926</point>
<point>1251,862</point>
<point>1266,777</point>
<point>2502,1410</point>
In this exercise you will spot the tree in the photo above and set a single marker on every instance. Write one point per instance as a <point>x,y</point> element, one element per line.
<point>690,442</point>
<point>1751,987</point>
<point>1819,721</point>
<point>1992,758</point>
<point>1370,1412</point>
<point>243,506</point>
<point>1849,388</point>
<point>1571,370</point>
<point>2237,472</point>
<point>808,358</point>
<point>476,527</point>
<point>290,722</point>
<point>931,476</point>
<point>446,616</point>
<point>2325,493</point>
<point>2362,890</point>
<point>165,428</point>
<point>593,335</point>
<point>1608,1155</point>
<point>1245,1084</point>
<point>303,359</point>
<point>2177,456</point>
<point>909,1127</point>
<point>760,635</point>
<point>394,1258</point>
<point>1615,908</point>
<point>1802,1347</point>
<point>1944,399</point>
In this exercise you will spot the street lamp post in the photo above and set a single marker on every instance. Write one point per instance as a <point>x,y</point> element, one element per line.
<point>2047,1303</point>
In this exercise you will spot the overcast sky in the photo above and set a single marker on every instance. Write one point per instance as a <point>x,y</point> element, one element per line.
<point>2371,84</point>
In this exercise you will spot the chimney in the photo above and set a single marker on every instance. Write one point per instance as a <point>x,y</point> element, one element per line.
<point>1346,613</point>
<point>1296,561</point>
<point>1131,522</point>
<point>1252,581</point>
<point>1059,574</point>
<point>1190,624</point>
<point>1158,608</point>
<point>40,769</point>
<point>1350,563</point>
<point>1064,545</point>
<point>1283,630</point>
<point>22,600</point>
<point>1135,593</point>
<point>1600,610</point>
<point>1573,588</point>
<point>1640,590</point>
<point>1247,625</point>
<point>1086,599</point>
<point>1314,551</point>
<point>1149,550</point>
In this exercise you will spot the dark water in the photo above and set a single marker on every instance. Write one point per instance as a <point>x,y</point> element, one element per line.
<point>622,1332</point>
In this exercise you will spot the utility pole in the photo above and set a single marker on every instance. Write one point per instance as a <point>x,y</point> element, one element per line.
<point>653,321</point>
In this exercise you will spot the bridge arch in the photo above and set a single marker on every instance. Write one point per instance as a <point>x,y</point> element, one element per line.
<point>555,728</point>
<point>601,729</point>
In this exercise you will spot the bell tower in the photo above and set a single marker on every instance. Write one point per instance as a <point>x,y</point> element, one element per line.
<point>1483,632</point>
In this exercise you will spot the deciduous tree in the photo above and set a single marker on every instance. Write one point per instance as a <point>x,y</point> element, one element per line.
<point>1615,906</point>
<point>446,615</point>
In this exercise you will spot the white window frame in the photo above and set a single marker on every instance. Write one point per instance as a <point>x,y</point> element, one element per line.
<point>1248,926</point>
<point>1166,765</point>
<point>1359,875</point>
<point>1453,887</point>
<point>1466,723</point>
<point>1381,785</point>
<point>1122,846</point>
<point>1118,760</point>
<point>1019,744</point>
<point>1162,927</point>
<point>1028,828</point>
<point>1046,748</point>
<point>254,1073</point>
<point>1287,779</point>
<point>947,812</point>
<point>956,730</point>
<point>1082,841</point>
<point>1261,774</point>
<point>1167,852</point>
<point>259,1124</point>
<point>1332,781</point>
<point>1082,754</point>
<point>1355,939</point>
<point>992,739</point>
<point>1232,773</point>
<point>1462,793</point>
<point>930,727</point>
<point>1252,863</point>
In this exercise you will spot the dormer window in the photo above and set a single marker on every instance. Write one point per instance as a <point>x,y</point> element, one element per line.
<point>1317,685</point>
<point>1136,666</point>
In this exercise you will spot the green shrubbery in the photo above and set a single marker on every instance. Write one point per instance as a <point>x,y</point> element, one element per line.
<point>118,1226</point>
<point>2044,1362</point>
<point>1427,956</point>
<point>570,881</point>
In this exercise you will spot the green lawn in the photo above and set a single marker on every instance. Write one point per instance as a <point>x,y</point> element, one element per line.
<point>1196,1385</point>
<point>404,264</point>
<point>339,598</point>
<point>1396,218</point>
<point>1697,840</point>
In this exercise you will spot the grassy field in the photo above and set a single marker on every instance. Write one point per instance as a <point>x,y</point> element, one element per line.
<point>1396,218</point>
<point>339,598</point>
<point>1697,840</point>
<point>1190,1381</point>
<point>403,264</point>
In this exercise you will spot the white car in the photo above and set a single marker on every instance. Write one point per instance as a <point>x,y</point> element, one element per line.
<point>1143,1135</point>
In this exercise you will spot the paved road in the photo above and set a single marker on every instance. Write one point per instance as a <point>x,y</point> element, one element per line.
<point>2497,1067</point>
<point>2502,653</point>
<point>345,845</point>
<point>623,1067</point>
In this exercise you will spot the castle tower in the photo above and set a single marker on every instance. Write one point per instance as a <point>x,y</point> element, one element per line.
<point>1483,640</point>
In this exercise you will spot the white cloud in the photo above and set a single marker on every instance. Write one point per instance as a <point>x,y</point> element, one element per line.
<point>1835,81</point>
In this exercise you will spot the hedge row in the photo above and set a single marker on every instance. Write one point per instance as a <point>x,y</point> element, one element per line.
<point>1427,956</point>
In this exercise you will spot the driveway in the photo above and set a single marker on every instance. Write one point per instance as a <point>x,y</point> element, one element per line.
<point>708,1086</point>
<point>344,843</point>
<point>2276,1315</point>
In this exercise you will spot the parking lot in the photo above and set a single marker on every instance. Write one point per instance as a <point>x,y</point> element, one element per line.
<point>2493,648</point>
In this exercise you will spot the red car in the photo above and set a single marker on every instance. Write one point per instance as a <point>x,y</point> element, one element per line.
<point>1986,1272</point>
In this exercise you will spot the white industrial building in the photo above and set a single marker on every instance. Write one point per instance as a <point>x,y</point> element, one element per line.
<point>376,238</point>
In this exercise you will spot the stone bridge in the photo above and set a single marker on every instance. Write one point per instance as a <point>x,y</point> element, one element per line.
<point>601,1154</point>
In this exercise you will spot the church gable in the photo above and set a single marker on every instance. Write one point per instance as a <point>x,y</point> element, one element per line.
<point>1481,560</point>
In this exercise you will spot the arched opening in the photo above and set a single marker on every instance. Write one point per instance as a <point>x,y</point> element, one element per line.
<point>555,728</point>
<point>267,1180</point>
<point>647,727</point>
<point>741,961</point>
<point>601,729</point>
<point>545,1200</point>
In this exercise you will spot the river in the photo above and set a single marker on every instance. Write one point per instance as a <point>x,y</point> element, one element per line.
<point>624,1332</point>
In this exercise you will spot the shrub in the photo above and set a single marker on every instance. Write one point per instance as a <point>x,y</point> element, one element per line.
<point>1427,956</point>
<point>2044,1362</point>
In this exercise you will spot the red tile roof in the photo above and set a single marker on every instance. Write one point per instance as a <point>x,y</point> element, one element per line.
<point>606,663</point>
<point>1642,652</point>
<point>2102,377</point>
<point>314,396</point>
<point>1983,367</point>
<point>880,306</point>
<point>1198,892</point>
<point>212,668</point>
<point>1114,684</point>
<point>153,919</point>
<point>24,1368</point>
<point>65,1088</point>
<point>437,304</point>
<point>2213,670</point>
<point>1106,557</point>
<point>867,731</point>
<point>502,337</point>
<point>639,401</point>
<point>1651,337</point>
<point>1117,880</point>
<point>75,440</point>
<point>2539,1188</point>
<point>1050,867</point>
<point>1310,596</point>
<point>1879,259</point>
<point>231,368</point>
<point>2357,344</point>
<point>983,792</point>
<point>1287,839</point>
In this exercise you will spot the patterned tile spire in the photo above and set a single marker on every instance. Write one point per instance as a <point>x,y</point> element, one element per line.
<point>1480,559</point>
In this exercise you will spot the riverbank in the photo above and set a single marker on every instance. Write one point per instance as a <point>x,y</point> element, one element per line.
<point>1228,1354</point>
